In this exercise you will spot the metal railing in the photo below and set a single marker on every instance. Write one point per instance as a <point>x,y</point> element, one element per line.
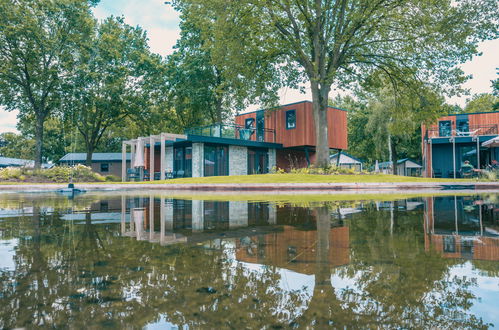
<point>435,131</point>
<point>230,131</point>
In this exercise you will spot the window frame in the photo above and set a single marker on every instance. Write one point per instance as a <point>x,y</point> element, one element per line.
<point>287,114</point>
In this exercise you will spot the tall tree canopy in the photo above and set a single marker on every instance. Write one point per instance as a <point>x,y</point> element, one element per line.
<point>267,43</point>
<point>38,42</point>
<point>481,103</point>
<point>110,80</point>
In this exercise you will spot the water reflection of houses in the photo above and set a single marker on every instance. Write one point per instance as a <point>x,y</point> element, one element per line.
<point>262,233</point>
<point>462,227</point>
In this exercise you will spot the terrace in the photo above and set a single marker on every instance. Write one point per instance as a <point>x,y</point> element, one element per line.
<point>448,129</point>
<point>231,131</point>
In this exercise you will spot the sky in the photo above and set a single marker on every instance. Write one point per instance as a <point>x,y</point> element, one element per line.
<point>162,25</point>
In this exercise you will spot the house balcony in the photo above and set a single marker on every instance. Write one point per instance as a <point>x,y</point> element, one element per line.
<point>436,131</point>
<point>229,131</point>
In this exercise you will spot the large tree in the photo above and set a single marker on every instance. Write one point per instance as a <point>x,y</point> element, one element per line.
<point>38,39</point>
<point>110,81</point>
<point>336,42</point>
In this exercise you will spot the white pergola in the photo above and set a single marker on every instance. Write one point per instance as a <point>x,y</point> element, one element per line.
<point>162,138</point>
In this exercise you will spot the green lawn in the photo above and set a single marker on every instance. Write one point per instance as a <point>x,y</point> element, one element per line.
<point>302,178</point>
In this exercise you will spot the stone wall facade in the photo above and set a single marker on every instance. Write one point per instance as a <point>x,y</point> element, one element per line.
<point>197,160</point>
<point>238,160</point>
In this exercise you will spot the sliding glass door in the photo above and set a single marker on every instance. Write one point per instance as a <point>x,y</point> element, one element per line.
<point>216,160</point>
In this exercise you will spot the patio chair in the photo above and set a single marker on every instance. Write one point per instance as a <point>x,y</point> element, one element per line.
<point>180,174</point>
<point>132,174</point>
<point>467,172</point>
<point>146,175</point>
<point>437,173</point>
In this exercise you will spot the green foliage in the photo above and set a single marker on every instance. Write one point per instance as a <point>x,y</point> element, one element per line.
<point>482,103</point>
<point>196,88</point>
<point>110,81</point>
<point>38,42</point>
<point>78,173</point>
<point>16,146</point>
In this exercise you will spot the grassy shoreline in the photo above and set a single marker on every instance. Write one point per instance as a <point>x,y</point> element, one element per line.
<point>276,179</point>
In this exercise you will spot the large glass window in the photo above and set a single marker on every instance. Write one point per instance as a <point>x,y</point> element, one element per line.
<point>291,119</point>
<point>216,160</point>
<point>445,128</point>
<point>182,162</point>
<point>258,161</point>
<point>468,153</point>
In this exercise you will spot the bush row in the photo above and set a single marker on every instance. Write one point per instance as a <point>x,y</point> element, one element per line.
<point>79,173</point>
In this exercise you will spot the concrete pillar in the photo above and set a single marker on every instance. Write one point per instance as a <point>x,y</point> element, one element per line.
<point>151,159</point>
<point>163,160</point>
<point>169,215</point>
<point>169,159</point>
<point>238,160</point>
<point>123,215</point>
<point>123,161</point>
<point>197,215</point>
<point>272,159</point>
<point>272,214</point>
<point>238,214</point>
<point>197,160</point>
<point>151,218</point>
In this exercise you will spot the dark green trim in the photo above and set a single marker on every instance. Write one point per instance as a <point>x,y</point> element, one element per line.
<point>461,139</point>
<point>234,142</point>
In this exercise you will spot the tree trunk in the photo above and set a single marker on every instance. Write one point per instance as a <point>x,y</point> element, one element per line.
<point>394,155</point>
<point>90,152</point>
<point>320,97</point>
<point>39,139</point>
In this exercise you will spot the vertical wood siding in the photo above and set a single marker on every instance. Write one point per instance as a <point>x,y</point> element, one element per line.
<point>304,133</point>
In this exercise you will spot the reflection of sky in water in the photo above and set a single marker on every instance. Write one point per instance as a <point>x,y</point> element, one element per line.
<point>487,289</point>
<point>7,253</point>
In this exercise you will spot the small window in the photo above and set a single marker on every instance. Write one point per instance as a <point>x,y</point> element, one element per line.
<point>249,123</point>
<point>104,167</point>
<point>445,128</point>
<point>463,125</point>
<point>290,119</point>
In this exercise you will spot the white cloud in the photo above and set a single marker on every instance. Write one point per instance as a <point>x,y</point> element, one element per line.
<point>159,20</point>
<point>8,121</point>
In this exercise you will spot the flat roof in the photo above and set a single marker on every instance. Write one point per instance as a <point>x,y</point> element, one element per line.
<point>96,157</point>
<point>286,105</point>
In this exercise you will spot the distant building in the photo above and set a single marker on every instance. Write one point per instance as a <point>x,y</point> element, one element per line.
<point>405,167</point>
<point>347,161</point>
<point>105,163</point>
<point>15,162</point>
<point>457,138</point>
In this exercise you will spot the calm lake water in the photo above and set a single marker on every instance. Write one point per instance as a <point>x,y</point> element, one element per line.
<point>146,261</point>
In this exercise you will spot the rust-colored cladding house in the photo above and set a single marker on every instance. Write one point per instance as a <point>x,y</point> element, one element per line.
<point>293,126</point>
<point>457,138</point>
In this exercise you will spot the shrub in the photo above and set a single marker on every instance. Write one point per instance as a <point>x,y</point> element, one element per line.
<point>10,173</point>
<point>112,178</point>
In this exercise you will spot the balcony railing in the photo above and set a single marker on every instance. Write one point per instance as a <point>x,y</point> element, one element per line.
<point>435,131</point>
<point>234,132</point>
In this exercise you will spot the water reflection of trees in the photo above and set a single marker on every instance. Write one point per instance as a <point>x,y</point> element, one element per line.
<point>81,274</point>
<point>397,282</point>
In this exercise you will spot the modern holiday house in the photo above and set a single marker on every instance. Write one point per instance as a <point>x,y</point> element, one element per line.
<point>458,138</point>
<point>258,141</point>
